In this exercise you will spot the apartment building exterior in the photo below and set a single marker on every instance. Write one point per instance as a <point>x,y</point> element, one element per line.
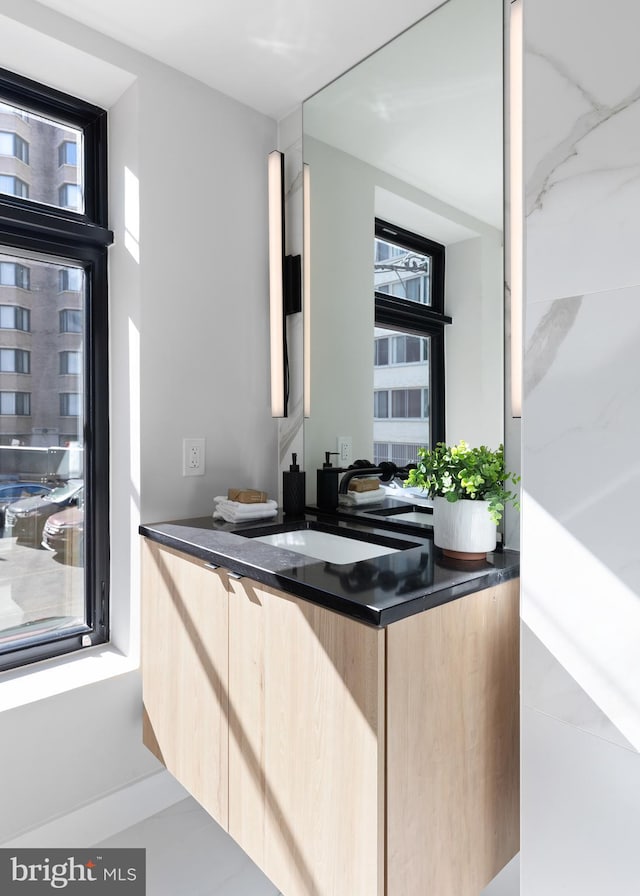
<point>41,303</point>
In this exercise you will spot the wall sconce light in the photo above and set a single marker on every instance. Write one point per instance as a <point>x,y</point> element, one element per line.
<point>284,287</point>
<point>516,203</point>
<point>306,285</point>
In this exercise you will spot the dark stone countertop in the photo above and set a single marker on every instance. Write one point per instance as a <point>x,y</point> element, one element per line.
<point>379,591</point>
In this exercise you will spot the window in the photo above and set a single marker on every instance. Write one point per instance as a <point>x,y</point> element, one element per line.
<point>401,404</point>
<point>55,240</point>
<point>15,404</point>
<point>70,404</point>
<point>12,274</point>
<point>13,145</point>
<point>71,321</point>
<point>70,362</point>
<point>13,317</point>
<point>71,280</point>
<point>13,186</point>
<point>400,454</point>
<point>381,351</point>
<point>381,404</point>
<point>400,270</point>
<point>404,350</point>
<point>408,278</point>
<point>15,360</point>
<point>69,196</point>
<point>68,153</point>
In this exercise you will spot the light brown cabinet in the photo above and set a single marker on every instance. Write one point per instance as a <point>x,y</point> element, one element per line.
<point>342,758</point>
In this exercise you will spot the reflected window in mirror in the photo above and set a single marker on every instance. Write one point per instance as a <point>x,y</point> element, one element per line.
<point>408,356</point>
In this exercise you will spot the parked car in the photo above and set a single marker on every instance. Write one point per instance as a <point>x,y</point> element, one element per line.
<point>64,533</point>
<point>25,519</point>
<point>14,490</point>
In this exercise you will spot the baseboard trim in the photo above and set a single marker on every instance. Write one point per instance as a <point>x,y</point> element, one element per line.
<point>106,816</point>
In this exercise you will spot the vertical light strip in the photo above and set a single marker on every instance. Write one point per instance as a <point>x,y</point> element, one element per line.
<point>276,297</point>
<point>516,202</point>
<point>306,285</point>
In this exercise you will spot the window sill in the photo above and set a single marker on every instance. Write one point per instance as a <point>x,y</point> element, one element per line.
<point>39,681</point>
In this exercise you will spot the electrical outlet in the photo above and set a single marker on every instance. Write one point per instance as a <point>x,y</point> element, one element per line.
<point>193,457</point>
<point>345,450</point>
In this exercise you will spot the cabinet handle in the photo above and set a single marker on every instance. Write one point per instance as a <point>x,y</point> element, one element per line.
<point>235,575</point>
<point>211,566</point>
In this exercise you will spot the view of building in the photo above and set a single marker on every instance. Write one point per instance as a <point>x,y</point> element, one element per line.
<point>41,303</point>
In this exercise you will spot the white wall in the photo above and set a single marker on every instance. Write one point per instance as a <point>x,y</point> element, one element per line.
<point>189,357</point>
<point>342,228</point>
<point>474,297</point>
<point>580,563</point>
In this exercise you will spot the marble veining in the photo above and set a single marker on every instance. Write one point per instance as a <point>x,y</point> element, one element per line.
<point>546,173</point>
<point>547,338</point>
<point>582,151</point>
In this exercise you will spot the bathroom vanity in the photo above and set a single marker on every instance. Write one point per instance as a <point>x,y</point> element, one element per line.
<point>355,730</point>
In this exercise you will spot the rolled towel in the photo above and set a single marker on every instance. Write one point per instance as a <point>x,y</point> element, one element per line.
<point>235,512</point>
<point>357,499</point>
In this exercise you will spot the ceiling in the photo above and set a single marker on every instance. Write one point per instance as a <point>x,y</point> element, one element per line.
<point>268,54</point>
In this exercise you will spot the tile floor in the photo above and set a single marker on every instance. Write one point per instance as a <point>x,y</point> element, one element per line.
<point>190,855</point>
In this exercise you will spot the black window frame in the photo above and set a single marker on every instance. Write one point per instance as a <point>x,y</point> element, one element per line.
<point>80,239</point>
<point>414,318</point>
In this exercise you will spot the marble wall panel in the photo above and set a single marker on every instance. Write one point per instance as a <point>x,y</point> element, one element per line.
<point>547,686</point>
<point>581,793</point>
<point>581,534</point>
<point>582,147</point>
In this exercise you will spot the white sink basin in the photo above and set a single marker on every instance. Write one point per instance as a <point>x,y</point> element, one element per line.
<point>325,546</point>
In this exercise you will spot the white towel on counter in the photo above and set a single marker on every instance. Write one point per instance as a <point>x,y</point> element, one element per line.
<point>355,499</point>
<point>235,512</point>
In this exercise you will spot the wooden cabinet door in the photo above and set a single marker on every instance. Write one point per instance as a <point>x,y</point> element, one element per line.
<point>306,743</point>
<point>452,744</point>
<point>185,661</point>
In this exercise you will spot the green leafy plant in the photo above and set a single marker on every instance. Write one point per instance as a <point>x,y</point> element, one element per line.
<point>458,473</point>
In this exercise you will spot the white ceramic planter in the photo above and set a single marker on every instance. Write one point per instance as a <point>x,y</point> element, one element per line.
<point>464,529</point>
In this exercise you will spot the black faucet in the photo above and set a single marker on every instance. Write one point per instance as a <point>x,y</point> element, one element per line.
<point>386,470</point>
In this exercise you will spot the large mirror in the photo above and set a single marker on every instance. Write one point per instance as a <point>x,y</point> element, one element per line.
<point>412,137</point>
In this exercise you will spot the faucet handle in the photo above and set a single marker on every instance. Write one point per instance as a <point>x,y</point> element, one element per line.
<point>327,457</point>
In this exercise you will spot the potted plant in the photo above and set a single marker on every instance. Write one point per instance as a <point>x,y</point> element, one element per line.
<point>469,488</point>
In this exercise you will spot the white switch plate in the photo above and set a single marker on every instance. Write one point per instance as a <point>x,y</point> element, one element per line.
<point>193,457</point>
<point>345,450</point>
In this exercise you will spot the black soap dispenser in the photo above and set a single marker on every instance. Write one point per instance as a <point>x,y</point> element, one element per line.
<point>293,489</point>
<point>327,482</point>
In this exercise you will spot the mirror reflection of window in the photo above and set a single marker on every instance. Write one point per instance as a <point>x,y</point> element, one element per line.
<point>400,272</point>
<point>408,368</point>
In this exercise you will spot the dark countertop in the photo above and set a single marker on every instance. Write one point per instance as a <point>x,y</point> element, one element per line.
<point>378,591</point>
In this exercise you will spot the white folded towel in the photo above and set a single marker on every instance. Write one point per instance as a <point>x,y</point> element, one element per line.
<point>235,512</point>
<point>355,499</point>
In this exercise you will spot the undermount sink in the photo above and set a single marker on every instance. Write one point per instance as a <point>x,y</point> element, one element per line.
<point>323,542</point>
